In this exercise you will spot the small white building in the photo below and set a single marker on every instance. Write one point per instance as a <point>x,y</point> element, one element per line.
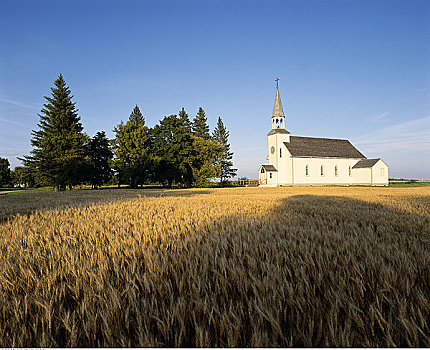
<point>297,160</point>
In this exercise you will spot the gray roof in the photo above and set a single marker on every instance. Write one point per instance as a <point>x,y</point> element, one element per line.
<point>365,163</point>
<point>321,147</point>
<point>277,107</point>
<point>278,131</point>
<point>269,167</point>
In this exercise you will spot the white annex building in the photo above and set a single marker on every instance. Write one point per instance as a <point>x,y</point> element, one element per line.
<point>296,160</point>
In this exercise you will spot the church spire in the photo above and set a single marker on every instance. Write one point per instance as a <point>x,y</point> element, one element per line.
<point>277,107</point>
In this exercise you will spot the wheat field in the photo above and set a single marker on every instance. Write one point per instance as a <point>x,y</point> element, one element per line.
<point>306,266</point>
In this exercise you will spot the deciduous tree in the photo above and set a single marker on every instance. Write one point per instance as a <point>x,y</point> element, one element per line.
<point>100,156</point>
<point>132,160</point>
<point>5,178</point>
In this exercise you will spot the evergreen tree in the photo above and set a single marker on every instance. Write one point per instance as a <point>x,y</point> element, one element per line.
<point>225,170</point>
<point>5,176</point>
<point>100,157</point>
<point>132,160</point>
<point>185,121</point>
<point>200,126</point>
<point>57,158</point>
<point>136,116</point>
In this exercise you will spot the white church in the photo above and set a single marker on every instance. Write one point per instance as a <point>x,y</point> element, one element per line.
<point>297,160</point>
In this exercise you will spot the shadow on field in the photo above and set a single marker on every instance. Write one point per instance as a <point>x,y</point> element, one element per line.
<point>28,203</point>
<point>316,271</point>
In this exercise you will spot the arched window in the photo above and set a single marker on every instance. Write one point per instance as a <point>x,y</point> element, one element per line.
<point>335,170</point>
<point>262,170</point>
<point>349,170</point>
<point>322,170</point>
<point>307,170</point>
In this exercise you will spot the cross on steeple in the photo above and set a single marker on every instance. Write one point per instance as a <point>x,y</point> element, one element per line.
<point>277,79</point>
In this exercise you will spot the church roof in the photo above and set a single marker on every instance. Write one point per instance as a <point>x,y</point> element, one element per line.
<point>278,131</point>
<point>321,147</point>
<point>366,163</point>
<point>277,107</point>
<point>269,167</point>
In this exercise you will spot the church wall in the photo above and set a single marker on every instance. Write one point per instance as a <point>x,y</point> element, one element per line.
<point>281,163</point>
<point>284,166</point>
<point>329,176</point>
<point>274,180</point>
<point>262,176</point>
<point>380,177</point>
<point>362,176</point>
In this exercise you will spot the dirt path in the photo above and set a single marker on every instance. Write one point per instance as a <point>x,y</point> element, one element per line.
<point>5,192</point>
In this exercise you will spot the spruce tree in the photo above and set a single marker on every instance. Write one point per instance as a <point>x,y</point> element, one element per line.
<point>200,126</point>
<point>136,116</point>
<point>185,121</point>
<point>226,170</point>
<point>58,154</point>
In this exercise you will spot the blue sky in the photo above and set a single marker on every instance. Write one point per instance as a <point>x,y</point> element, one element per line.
<point>352,69</point>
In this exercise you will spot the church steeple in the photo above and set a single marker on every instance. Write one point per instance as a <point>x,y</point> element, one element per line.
<point>278,116</point>
<point>277,107</point>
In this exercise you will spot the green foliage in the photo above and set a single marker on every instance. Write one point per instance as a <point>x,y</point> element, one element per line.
<point>174,151</point>
<point>22,176</point>
<point>5,178</point>
<point>172,146</point>
<point>206,152</point>
<point>58,155</point>
<point>130,146</point>
<point>100,157</point>
<point>224,161</point>
<point>200,126</point>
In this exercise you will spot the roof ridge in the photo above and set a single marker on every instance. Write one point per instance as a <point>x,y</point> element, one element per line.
<point>320,138</point>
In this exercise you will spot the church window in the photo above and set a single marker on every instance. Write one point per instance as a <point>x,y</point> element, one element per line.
<point>382,172</point>
<point>307,170</point>
<point>280,153</point>
<point>270,175</point>
<point>349,170</point>
<point>262,170</point>
<point>335,170</point>
<point>322,170</point>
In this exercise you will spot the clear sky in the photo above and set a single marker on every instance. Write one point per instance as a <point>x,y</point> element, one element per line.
<point>350,69</point>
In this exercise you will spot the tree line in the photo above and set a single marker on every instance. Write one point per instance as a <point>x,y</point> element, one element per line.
<point>176,151</point>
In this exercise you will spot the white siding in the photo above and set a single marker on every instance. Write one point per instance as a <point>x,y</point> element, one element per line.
<point>329,177</point>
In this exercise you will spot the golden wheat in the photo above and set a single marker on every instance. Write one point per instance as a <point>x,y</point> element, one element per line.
<point>324,266</point>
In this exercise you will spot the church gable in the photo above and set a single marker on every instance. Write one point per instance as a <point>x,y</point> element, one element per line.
<point>366,163</point>
<point>322,147</point>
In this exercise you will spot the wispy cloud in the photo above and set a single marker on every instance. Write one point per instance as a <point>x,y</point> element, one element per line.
<point>413,135</point>
<point>17,103</point>
<point>4,120</point>
<point>380,117</point>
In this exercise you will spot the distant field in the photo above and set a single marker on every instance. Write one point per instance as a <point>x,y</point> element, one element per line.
<point>301,266</point>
